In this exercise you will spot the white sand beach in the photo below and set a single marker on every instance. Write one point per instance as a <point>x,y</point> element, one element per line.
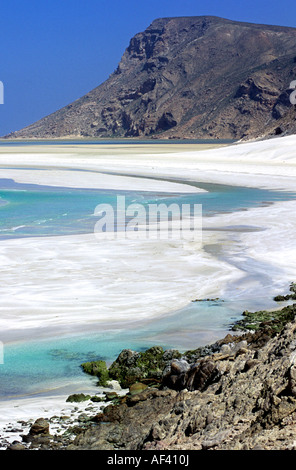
<point>51,284</point>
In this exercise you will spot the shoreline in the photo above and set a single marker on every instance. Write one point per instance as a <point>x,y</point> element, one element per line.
<point>205,165</point>
<point>70,418</point>
<point>215,278</point>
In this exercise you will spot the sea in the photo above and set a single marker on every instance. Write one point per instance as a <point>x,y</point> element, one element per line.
<point>39,366</point>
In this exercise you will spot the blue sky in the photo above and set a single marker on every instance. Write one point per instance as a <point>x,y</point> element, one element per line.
<point>54,51</point>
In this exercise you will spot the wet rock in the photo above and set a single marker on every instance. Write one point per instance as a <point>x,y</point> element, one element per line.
<point>146,367</point>
<point>98,369</point>
<point>41,426</point>
<point>97,399</point>
<point>83,417</point>
<point>109,396</point>
<point>78,397</point>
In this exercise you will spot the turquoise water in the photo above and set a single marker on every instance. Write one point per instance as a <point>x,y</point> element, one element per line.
<point>32,367</point>
<point>32,210</point>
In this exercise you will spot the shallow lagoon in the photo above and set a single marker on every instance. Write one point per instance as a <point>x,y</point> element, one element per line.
<point>32,367</point>
<point>28,210</point>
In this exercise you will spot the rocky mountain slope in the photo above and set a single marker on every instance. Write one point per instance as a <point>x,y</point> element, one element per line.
<point>188,77</point>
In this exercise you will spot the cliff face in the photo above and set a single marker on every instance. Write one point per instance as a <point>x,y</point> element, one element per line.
<point>192,77</point>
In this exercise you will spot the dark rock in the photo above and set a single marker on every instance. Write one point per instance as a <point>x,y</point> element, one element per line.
<point>197,377</point>
<point>98,369</point>
<point>202,375</point>
<point>166,122</point>
<point>78,397</point>
<point>146,367</point>
<point>237,402</point>
<point>109,396</point>
<point>40,426</point>
<point>97,399</point>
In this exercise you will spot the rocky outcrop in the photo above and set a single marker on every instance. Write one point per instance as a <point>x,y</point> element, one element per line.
<point>242,397</point>
<point>237,394</point>
<point>41,426</point>
<point>190,77</point>
<point>146,366</point>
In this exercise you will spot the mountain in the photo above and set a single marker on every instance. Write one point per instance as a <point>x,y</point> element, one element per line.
<point>188,77</point>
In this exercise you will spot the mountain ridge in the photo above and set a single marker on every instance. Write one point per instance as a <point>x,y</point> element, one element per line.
<point>187,77</point>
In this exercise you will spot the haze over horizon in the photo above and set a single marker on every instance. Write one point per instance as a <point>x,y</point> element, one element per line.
<point>53,53</point>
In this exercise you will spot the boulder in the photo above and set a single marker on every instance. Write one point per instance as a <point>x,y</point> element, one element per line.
<point>98,369</point>
<point>41,426</point>
<point>78,397</point>
<point>146,367</point>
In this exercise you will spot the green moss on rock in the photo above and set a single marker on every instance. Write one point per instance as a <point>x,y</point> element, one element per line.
<point>146,366</point>
<point>276,319</point>
<point>78,397</point>
<point>98,369</point>
<point>282,298</point>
